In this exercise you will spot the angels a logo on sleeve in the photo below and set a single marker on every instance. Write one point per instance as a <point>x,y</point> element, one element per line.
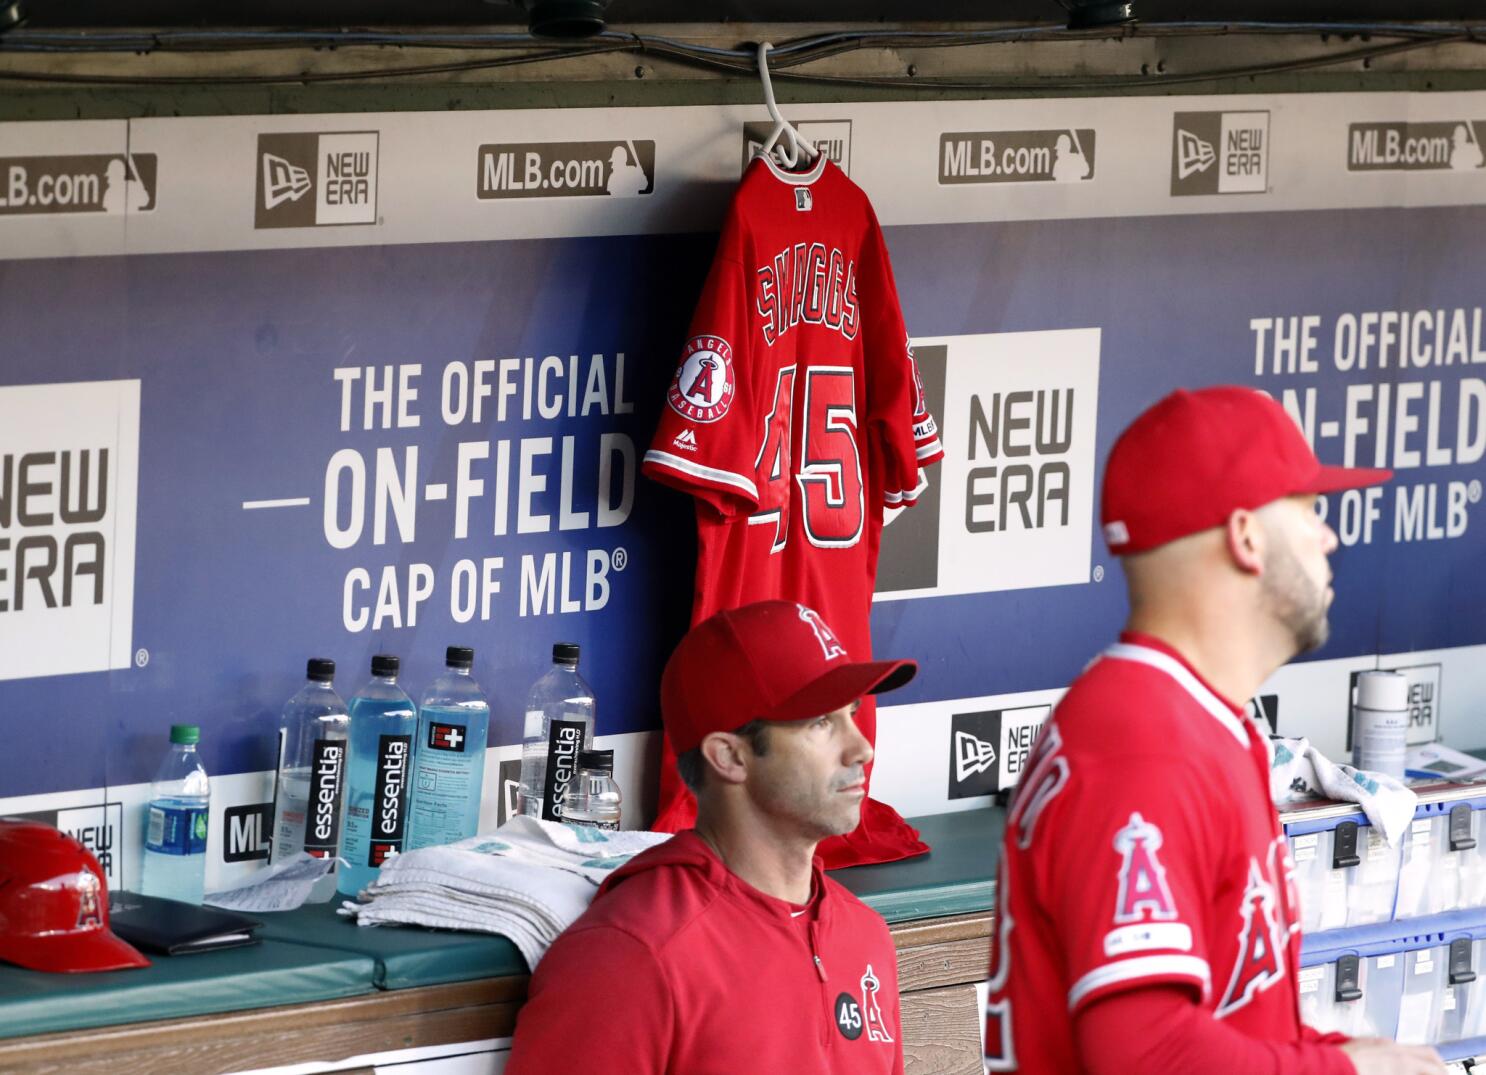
<point>876,1028</point>
<point>1260,959</point>
<point>702,389</point>
<point>1143,888</point>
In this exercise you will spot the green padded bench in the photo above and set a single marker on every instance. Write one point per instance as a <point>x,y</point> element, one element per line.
<point>259,976</point>
<point>957,877</point>
<point>404,956</point>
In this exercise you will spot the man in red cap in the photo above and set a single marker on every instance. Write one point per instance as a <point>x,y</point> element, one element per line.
<point>727,949</point>
<point>1146,917</point>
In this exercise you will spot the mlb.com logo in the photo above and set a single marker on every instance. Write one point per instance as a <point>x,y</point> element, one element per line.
<point>1220,153</point>
<point>69,463</point>
<point>309,180</point>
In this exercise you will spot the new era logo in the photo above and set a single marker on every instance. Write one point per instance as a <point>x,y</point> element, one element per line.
<point>972,755</point>
<point>1220,153</point>
<point>283,181</point>
<point>686,440</point>
<point>1193,154</point>
<point>447,737</point>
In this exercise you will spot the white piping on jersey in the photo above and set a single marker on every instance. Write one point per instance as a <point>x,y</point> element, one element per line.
<point>798,179</point>
<point>907,496</point>
<point>924,451</point>
<point>696,470</point>
<point>1145,967</point>
<point>1125,651</point>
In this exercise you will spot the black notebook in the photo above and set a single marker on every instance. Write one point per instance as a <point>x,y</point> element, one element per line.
<point>174,928</point>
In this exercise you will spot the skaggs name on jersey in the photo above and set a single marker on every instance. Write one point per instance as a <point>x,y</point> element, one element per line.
<point>805,282</point>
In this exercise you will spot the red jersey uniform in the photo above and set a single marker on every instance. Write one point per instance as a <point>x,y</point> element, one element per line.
<point>1141,847</point>
<point>795,417</point>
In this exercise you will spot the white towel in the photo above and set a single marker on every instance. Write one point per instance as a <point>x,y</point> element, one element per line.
<point>1299,771</point>
<point>528,881</point>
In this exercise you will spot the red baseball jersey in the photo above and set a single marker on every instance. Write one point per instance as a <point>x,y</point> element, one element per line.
<point>1141,847</point>
<point>796,415</point>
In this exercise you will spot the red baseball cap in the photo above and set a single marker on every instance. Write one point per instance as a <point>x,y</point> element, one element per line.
<point>1197,456</point>
<point>774,660</point>
<point>54,903</point>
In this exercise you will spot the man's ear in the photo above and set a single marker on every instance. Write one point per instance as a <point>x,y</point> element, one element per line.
<point>724,754</point>
<point>1245,537</point>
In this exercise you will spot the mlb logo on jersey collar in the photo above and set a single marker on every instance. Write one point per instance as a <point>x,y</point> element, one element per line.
<point>804,199</point>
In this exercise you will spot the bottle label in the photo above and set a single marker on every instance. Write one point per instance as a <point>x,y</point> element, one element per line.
<point>448,737</point>
<point>564,741</point>
<point>176,830</point>
<point>389,799</point>
<point>323,811</point>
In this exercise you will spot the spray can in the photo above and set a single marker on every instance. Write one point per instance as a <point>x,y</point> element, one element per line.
<point>1380,723</point>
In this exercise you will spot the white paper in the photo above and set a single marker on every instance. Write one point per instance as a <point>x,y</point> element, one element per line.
<point>280,887</point>
<point>1413,1017</point>
<point>1445,762</point>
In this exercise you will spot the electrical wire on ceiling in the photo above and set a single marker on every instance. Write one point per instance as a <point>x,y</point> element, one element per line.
<point>789,60</point>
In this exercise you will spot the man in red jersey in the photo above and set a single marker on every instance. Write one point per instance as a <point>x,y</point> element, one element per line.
<point>1147,917</point>
<point>727,949</point>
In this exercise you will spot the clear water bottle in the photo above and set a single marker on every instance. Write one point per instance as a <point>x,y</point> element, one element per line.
<point>559,724</point>
<point>312,768</point>
<point>176,824</point>
<point>383,723</point>
<point>449,765</point>
<point>593,798</point>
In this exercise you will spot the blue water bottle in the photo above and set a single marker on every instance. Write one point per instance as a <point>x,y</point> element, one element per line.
<point>449,765</point>
<point>383,723</point>
<point>176,824</point>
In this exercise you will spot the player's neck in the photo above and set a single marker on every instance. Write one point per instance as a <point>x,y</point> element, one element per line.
<point>778,864</point>
<point>1229,655</point>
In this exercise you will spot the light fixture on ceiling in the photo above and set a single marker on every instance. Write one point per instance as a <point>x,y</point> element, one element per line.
<point>562,18</point>
<point>1095,14</point>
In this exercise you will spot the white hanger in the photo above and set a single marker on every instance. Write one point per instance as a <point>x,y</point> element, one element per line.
<point>782,126</point>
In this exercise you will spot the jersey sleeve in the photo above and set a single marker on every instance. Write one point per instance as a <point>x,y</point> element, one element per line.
<point>706,441</point>
<point>897,407</point>
<point>596,995</point>
<point>1126,874</point>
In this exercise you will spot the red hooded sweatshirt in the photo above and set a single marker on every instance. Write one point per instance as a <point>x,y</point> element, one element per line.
<point>681,968</point>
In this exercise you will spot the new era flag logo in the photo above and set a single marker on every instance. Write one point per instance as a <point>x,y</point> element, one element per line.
<point>447,737</point>
<point>972,755</point>
<point>283,181</point>
<point>1193,154</point>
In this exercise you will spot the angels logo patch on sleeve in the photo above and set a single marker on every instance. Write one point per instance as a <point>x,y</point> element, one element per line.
<point>1144,892</point>
<point>703,387</point>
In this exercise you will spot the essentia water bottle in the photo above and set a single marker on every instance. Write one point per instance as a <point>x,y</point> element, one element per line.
<point>449,767</point>
<point>312,768</point>
<point>383,723</point>
<point>559,724</point>
<point>176,825</point>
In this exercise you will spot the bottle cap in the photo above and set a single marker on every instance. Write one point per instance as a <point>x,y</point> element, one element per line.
<point>1382,690</point>
<point>320,669</point>
<point>459,656</point>
<point>565,653</point>
<point>597,759</point>
<point>185,733</point>
<point>385,664</point>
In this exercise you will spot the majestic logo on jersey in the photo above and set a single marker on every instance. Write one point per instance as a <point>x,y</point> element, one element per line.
<point>1260,961</point>
<point>830,645</point>
<point>89,909</point>
<point>1143,888</point>
<point>876,1028</point>
<point>702,389</point>
<point>686,440</point>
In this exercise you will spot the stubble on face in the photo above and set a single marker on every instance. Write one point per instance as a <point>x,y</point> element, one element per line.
<point>1295,600</point>
<point>793,790</point>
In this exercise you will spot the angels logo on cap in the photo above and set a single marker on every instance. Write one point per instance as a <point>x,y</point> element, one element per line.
<point>702,389</point>
<point>830,645</point>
